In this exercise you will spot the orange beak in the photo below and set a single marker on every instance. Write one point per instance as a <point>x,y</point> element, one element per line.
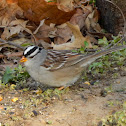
<point>23,59</point>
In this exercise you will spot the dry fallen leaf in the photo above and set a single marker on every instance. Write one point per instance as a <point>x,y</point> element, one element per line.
<point>86,82</point>
<point>37,10</point>
<point>8,13</point>
<point>63,33</point>
<point>94,25</point>
<point>42,34</point>
<point>14,99</point>
<point>12,87</point>
<point>66,5</point>
<point>38,91</point>
<point>43,31</point>
<point>11,1</point>
<point>1,107</point>
<point>15,27</point>
<point>1,98</point>
<point>91,21</point>
<point>79,17</point>
<point>77,43</point>
<point>3,4</point>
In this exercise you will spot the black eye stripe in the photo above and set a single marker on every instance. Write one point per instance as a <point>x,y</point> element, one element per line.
<point>30,51</point>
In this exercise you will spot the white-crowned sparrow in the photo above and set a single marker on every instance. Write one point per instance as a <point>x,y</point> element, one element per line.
<point>58,68</point>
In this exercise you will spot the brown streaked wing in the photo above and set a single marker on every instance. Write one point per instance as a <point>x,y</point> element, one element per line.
<point>59,59</point>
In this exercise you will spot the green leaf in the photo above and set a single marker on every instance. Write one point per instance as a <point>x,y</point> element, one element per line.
<point>74,51</point>
<point>49,122</point>
<point>86,43</point>
<point>103,41</point>
<point>8,75</point>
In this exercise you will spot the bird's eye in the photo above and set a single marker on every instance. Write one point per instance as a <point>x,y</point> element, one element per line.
<point>31,57</point>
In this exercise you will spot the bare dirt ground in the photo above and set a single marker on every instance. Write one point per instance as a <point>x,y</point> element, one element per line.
<point>77,107</point>
<point>81,108</point>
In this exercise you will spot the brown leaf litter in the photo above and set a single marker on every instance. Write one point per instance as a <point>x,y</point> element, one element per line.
<point>62,25</point>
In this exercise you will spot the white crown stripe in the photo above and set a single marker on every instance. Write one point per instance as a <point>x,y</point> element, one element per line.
<point>28,49</point>
<point>31,51</point>
<point>34,53</point>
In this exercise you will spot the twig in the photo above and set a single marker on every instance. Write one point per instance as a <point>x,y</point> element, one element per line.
<point>2,56</point>
<point>11,43</point>
<point>17,54</point>
<point>124,29</point>
<point>91,50</point>
<point>28,31</point>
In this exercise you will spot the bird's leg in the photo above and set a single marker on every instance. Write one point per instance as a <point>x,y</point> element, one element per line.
<point>61,88</point>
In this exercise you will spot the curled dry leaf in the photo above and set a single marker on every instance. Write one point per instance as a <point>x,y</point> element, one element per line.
<point>91,21</point>
<point>94,25</point>
<point>9,13</point>
<point>61,34</point>
<point>37,10</point>
<point>66,5</point>
<point>64,34</point>
<point>96,15</point>
<point>15,27</point>
<point>77,43</point>
<point>79,17</point>
<point>43,31</point>
<point>3,4</point>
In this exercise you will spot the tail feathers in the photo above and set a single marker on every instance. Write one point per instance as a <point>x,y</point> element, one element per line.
<point>89,59</point>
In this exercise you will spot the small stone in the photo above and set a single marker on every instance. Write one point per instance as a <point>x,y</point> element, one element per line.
<point>11,113</point>
<point>99,123</point>
<point>93,82</point>
<point>118,82</point>
<point>123,73</point>
<point>35,112</point>
<point>103,93</point>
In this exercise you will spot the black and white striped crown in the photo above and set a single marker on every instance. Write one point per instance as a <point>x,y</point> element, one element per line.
<point>31,51</point>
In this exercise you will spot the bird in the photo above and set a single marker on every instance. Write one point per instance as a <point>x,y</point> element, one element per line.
<point>58,68</point>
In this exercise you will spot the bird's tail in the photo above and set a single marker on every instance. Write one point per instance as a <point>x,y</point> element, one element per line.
<point>90,58</point>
